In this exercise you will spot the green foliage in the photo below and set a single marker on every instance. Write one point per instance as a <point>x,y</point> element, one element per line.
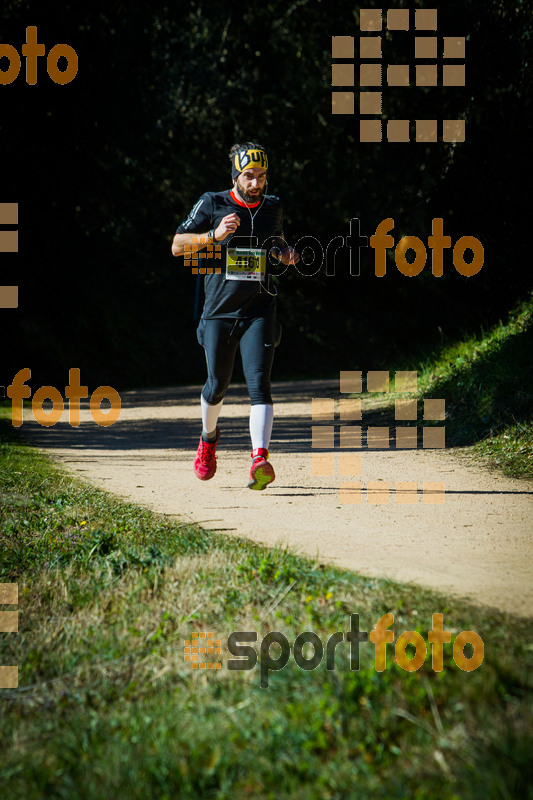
<point>275,565</point>
<point>487,382</point>
<point>511,450</point>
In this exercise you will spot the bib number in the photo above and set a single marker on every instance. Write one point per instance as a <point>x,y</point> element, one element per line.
<point>245,264</point>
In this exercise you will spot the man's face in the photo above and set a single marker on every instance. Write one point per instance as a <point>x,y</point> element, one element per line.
<point>251,184</point>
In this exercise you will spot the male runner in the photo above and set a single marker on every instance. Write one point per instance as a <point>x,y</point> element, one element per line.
<point>240,305</point>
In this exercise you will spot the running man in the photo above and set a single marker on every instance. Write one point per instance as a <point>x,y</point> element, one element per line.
<point>240,303</point>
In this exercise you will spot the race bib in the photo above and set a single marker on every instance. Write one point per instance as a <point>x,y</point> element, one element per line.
<point>245,264</point>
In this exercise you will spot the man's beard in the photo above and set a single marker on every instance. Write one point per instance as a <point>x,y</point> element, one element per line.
<point>250,198</point>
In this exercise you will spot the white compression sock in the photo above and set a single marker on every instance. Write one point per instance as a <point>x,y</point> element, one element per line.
<point>210,416</point>
<point>261,419</point>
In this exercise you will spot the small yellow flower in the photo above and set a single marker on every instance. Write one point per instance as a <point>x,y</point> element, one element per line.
<point>308,598</point>
<point>329,595</point>
<point>83,522</point>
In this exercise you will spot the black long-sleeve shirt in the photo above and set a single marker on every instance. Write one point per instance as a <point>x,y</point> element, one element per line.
<point>236,298</point>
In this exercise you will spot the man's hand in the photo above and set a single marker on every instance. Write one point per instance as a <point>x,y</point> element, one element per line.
<point>288,256</point>
<point>228,225</point>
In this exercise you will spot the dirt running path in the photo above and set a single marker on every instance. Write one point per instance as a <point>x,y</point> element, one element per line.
<point>476,545</point>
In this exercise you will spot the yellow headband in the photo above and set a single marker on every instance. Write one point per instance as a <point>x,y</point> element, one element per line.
<point>247,159</point>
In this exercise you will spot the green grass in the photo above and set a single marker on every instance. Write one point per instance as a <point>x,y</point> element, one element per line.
<point>108,707</point>
<point>487,382</point>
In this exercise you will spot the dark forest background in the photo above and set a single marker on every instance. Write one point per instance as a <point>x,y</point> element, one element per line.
<point>104,168</point>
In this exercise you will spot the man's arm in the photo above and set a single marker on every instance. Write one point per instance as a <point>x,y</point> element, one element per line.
<point>228,225</point>
<point>199,240</point>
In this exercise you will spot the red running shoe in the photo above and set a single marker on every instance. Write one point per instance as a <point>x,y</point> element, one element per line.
<point>262,472</point>
<point>205,463</point>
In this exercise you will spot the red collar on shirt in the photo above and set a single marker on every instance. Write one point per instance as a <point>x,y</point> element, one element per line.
<point>241,202</point>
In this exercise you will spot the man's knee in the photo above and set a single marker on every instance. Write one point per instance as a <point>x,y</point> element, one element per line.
<point>214,392</point>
